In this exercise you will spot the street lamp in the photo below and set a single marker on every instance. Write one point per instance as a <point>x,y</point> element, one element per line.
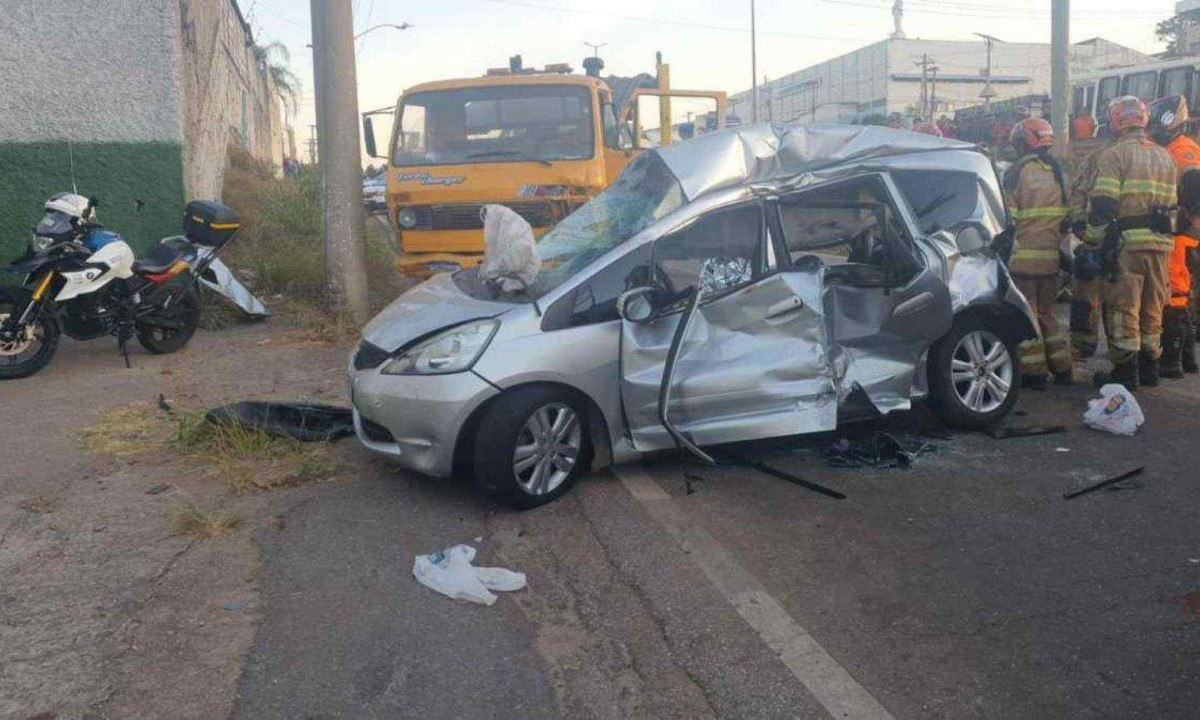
<point>400,26</point>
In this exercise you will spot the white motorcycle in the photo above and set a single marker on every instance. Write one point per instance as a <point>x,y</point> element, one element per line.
<point>84,281</point>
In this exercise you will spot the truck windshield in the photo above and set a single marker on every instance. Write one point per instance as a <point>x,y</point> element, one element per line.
<point>499,123</point>
<point>645,192</point>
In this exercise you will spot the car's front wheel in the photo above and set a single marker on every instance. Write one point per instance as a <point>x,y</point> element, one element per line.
<point>974,376</point>
<point>531,446</point>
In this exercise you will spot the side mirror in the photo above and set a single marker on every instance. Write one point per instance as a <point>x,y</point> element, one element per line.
<point>972,237</point>
<point>636,305</point>
<point>369,137</point>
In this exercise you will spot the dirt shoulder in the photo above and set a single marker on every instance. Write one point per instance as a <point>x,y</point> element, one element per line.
<point>105,609</point>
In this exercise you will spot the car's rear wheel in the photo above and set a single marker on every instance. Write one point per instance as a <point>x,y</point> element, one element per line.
<point>531,446</point>
<point>974,376</point>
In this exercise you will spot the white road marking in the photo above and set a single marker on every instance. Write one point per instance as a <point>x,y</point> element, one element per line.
<point>828,681</point>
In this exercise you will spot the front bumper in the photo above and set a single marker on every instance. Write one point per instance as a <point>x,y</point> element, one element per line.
<point>415,420</point>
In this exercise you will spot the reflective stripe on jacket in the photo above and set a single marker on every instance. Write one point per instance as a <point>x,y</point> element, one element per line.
<point>1036,206</point>
<point>1181,278</point>
<point>1139,175</point>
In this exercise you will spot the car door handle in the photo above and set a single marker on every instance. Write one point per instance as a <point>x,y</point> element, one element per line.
<point>914,305</point>
<point>783,307</point>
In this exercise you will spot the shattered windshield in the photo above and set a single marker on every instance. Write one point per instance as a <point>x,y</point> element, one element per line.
<point>644,193</point>
<point>504,123</point>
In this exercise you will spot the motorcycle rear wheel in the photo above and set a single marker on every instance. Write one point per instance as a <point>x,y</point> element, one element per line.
<point>35,345</point>
<point>184,312</point>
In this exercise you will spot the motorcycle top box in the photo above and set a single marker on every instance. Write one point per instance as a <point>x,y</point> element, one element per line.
<point>209,223</point>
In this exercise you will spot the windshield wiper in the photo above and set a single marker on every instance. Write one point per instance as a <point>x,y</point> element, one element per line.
<point>509,153</point>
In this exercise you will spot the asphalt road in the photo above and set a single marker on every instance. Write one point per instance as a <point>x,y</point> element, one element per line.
<point>965,586</point>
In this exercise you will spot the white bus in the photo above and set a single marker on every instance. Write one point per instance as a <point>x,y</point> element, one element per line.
<point>1150,81</point>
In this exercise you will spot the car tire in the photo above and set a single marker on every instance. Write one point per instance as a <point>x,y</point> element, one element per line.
<point>967,370</point>
<point>522,454</point>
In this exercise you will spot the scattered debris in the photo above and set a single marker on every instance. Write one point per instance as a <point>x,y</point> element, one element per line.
<point>1062,449</point>
<point>233,606</point>
<point>158,489</point>
<point>41,504</point>
<point>881,450</point>
<point>1116,411</point>
<point>688,479</point>
<point>794,479</point>
<point>451,573</point>
<point>303,421</point>
<point>1020,431</point>
<point>1105,483</point>
<point>1191,604</point>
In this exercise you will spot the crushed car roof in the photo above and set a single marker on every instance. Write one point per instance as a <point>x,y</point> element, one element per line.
<point>782,154</point>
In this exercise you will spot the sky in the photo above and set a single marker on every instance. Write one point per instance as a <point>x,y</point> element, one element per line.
<point>706,42</point>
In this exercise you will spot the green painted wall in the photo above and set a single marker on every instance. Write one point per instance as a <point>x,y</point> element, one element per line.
<point>116,173</point>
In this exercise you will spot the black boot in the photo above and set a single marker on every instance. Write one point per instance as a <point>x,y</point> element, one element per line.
<point>1148,367</point>
<point>1174,330</point>
<point>1188,356</point>
<point>1125,374</point>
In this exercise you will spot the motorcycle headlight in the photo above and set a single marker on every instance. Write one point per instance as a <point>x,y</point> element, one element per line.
<point>406,218</point>
<point>452,351</point>
<point>37,243</point>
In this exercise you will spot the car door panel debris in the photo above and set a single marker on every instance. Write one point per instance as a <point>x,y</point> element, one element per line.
<point>1021,431</point>
<point>1110,482</point>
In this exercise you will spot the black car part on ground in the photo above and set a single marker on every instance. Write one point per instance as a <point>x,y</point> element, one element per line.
<point>1105,483</point>
<point>880,450</point>
<point>306,422</point>
<point>1020,431</point>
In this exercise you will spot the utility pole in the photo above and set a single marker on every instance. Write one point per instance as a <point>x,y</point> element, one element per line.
<point>753,66</point>
<point>988,92</point>
<point>925,63</point>
<point>933,92</point>
<point>312,145</point>
<point>1060,73</point>
<point>340,166</point>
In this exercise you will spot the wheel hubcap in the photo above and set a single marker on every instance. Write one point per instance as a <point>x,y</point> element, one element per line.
<point>981,370</point>
<point>547,449</point>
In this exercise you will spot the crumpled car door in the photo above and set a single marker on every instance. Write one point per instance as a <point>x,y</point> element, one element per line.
<point>750,364</point>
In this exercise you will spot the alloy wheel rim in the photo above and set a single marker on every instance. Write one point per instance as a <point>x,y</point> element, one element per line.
<point>22,342</point>
<point>981,371</point>
<point>548,447</point>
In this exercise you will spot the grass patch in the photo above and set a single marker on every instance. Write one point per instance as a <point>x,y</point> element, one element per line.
<point>125,430</point>
<point>42,503</point>
<point>201,523</point>
<point>247,458</point>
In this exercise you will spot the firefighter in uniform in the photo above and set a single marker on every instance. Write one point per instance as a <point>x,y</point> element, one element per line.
<point>1169,117</point>
<point>1129,222</point>
<point>1036,195</point>
<point>1087,307</point>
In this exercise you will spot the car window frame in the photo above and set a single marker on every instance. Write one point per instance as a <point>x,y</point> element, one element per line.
<point>762,256</point>
<point>894,199</point>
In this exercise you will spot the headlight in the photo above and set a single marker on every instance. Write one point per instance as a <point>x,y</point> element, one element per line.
<point>452,351</point>
<point>406,218</point>
<point>38,243</point>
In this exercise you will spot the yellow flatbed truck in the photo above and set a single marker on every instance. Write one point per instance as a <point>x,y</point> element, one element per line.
<point>541,142</point>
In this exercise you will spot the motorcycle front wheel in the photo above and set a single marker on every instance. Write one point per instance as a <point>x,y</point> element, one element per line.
<point>167,330</point>
<point>25,350</point>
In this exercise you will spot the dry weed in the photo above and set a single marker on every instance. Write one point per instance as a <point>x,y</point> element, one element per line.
<point>201,523</point>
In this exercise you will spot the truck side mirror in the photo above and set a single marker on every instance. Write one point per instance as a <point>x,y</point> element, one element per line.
<point>636,305</point>
<point>369,137</point>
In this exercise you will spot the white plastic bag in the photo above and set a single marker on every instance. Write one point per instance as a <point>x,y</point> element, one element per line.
<point>510,254</point>
<point>1115,411</point>
<point>450,573</point>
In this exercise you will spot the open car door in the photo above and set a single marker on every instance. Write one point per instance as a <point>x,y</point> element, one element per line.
<point>749,354</point>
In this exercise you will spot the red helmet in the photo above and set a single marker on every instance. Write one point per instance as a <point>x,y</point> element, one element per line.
<point>1032,133</point>
<point>1127,112</point>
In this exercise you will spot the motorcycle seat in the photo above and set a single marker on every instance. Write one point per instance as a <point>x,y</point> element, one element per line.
<point>159,259</point>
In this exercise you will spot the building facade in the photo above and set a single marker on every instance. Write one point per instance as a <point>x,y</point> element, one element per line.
<point>913,76</point>
<point>133,101</point>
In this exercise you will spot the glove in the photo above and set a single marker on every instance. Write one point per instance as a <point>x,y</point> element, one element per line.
<point>1066,261</point>
<point>1087,263</point>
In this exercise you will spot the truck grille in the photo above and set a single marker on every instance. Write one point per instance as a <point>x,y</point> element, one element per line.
<point>465,216</point>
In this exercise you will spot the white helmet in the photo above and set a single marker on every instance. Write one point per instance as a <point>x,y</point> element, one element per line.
<point>72,205</point>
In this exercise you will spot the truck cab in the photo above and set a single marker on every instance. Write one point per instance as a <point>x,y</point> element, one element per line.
<point>542,143</point>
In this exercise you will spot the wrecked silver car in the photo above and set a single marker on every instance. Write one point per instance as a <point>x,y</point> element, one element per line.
<point>756,282</point>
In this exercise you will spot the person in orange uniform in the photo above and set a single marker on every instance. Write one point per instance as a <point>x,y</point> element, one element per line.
<point>1168,119</point>
<point>1035,192</point>
<point>1179,334</point>
<point>1083,126</point>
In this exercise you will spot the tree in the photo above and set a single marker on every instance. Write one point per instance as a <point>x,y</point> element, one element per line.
<point>273,59</point>
<point>1174,32</point>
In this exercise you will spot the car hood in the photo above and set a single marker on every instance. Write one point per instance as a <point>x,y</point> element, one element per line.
<point>432,305</point>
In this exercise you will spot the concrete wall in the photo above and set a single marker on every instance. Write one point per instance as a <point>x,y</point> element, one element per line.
<point>228,96</point>
<point>94,77</point>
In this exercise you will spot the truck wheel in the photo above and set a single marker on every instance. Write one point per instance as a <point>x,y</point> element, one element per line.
<point>974,376</point>
<point>532,446</point>
<point>32,348</point>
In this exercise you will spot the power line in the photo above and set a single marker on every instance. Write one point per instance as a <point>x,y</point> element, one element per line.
<point>995,12</point>
<point>677,23</point>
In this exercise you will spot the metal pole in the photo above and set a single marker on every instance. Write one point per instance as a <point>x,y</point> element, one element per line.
<point>1060,73</point>
<point>753,66</point>
<point>340,163</point>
